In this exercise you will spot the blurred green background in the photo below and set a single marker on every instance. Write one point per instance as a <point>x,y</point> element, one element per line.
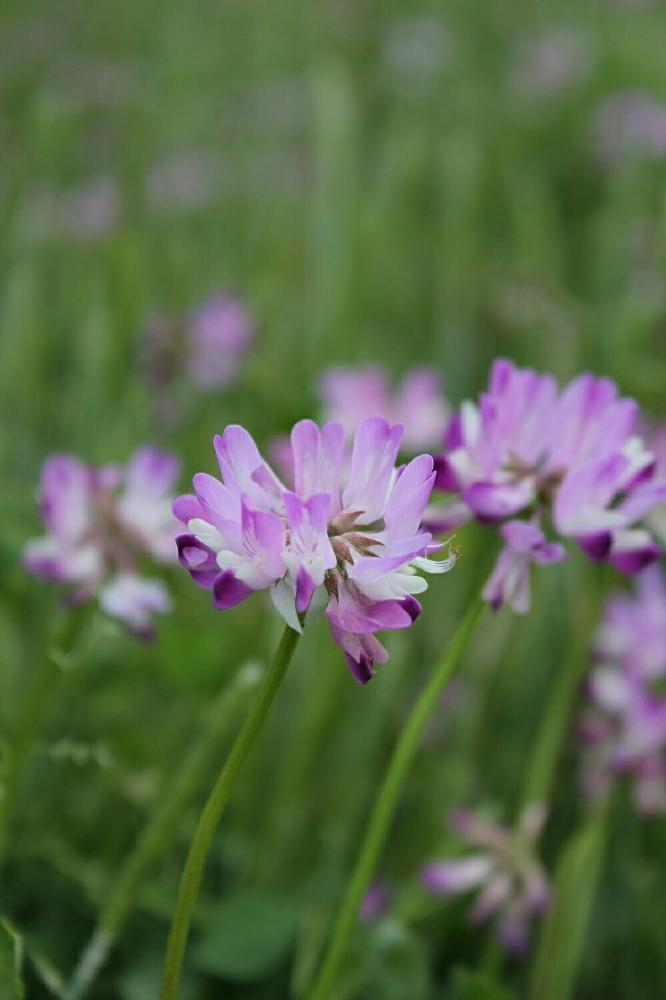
<point>391,182</point>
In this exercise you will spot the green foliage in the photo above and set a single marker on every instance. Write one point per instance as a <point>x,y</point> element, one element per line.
<point>470,985</point>
<point>11,963</point>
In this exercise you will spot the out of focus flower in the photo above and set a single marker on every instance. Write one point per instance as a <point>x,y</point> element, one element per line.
<point>625,729</point>
<point>657,516</point>
<point>350,394</point>
<point>551,62</point>
<point>208,347</point>
<point>630,124</point>
<point>89,211</point>
<point>505,871</point>
<point>362,542</point>
<point>102,524</point>
<point>570,456</point>
<point>375,902</point>
<point>184,181</point>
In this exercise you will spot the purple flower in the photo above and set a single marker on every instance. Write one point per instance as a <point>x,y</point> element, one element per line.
<point>349,395</point>
<point>530,449</point>
<point>100,523</point>
<point>630,124</point>
<point>376,901</point>
<point>510,580</point>
<point>359,537</point>
<point>219,334</point>
<point>208,347</point>
<point>512,886</point>
<point>625,729</point>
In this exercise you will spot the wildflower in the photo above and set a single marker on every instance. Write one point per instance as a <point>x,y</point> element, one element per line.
<point>570,456</point>
<point>208,347</point>
<point>625,729</point>
<point>630,124</point>
<point>376,901</point>
<point>512,883</point>
<point>351,394</point>
<point>510,581</point>
<point>101,523</point>
<point>362,542</point>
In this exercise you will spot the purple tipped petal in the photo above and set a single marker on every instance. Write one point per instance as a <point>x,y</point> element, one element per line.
<point>228,591</point>
<point>412,607</point>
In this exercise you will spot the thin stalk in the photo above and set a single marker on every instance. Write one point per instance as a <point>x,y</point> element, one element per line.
<point>545,755</point>
<point>160,829</point>
<point>190,882</point>
<point>378,827</point>
<point>30,721</point>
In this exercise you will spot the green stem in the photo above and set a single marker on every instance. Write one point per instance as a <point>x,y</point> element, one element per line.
<point>562,938</point>
<point>378,827</point>
<point>160,829</point>
<point>551,735</point>
<point>32,716</point>
<point>190,882</point>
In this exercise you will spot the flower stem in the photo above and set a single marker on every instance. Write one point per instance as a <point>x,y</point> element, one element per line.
<point>380,820</point>
<point>190,882</point>
<point>32,716</point>
<point>160,828</point>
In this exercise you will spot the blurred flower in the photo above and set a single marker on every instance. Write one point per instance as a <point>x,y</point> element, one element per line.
<point>571,455</point>
<point>513,885</point>
<point>101,523</point>
<point>351,394</point>
<point>184,180</point>
<point>625,730</point>
<point>657,517</point>
<point>86,212</point>
<point>208,348</point>
<point>376,901</point>
<point>415,49</point>
<point>556,59</point>
<point>630,124</point>
<point>363,543</point>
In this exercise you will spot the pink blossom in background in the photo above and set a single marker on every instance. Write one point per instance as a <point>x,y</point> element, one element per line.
<point>504,871</point>
<point>349,395</point>
<point>355,535</point>
<point>630,124</point>
<point>553,61</point>
<point>624,731</point>
<point>530,453</point>
<point>101,525</point>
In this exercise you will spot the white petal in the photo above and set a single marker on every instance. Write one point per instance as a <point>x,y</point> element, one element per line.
<point>206,533</point>
<point>284,601</point>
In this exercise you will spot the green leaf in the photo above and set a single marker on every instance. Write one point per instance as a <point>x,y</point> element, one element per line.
<point>563,933</point>
<point>470,985</point>
<point>11,963</point>
<point>246,937</point>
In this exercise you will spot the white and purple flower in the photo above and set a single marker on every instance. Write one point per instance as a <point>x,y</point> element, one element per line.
<point>101,523</point>
<point>625,728</point>
<point>505,871</point>
<point>569,456</point>
<point>357,536</point>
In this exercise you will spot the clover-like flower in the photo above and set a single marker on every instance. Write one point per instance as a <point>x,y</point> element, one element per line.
<point>511,883</point>
<point>103,524</point>
<point>361,540</point>
<point>625,728</point>
<point>569,458</point>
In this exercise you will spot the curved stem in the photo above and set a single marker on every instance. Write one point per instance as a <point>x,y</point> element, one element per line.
<point>378,827</point>
<point>190,882</point>
<point>160,828</point>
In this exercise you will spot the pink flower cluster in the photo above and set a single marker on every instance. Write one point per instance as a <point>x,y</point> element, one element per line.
<point>100,523</point>
<point>625,728</point>
<point>530,455</point>
<point>358,536</point>
<point>349,395</point>
<point>504,869</point>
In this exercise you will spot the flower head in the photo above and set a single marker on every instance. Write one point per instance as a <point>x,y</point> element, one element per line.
<point>570,457</point>
<point>101,522</point>
<point>208,347</point>
<point>351,394</point>
<point>625,728</point>
<point>356,536</point>
<point>511,883</point>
